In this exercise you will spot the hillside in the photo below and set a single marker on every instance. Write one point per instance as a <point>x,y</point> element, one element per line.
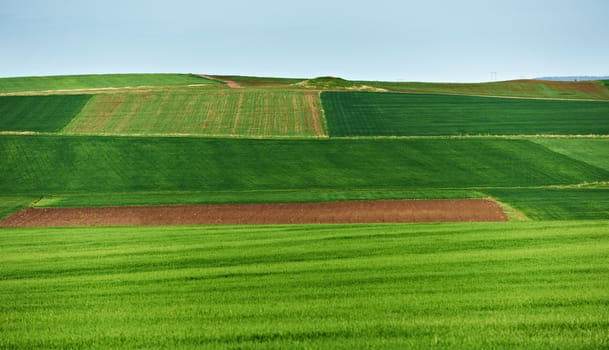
<point>53,168</point>
<point>201,153</point>
<point>594,90</point>
<point>100,81</point>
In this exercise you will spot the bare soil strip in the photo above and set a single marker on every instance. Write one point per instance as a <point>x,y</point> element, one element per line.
<point>388,211</point>
<point>231,84</point>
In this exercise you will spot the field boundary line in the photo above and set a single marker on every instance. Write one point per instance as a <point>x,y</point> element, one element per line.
<point>231,83</point>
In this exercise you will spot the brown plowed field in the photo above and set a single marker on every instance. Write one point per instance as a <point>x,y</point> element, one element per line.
<point>292,213</point>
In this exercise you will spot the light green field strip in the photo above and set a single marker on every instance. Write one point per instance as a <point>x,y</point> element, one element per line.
<point>459,286</point>
<point>223,112</point>
<point>9,205</point>
<point>591,151</point>
<point>557,203</point>
<point>226,197</point>
<point>101,81</point>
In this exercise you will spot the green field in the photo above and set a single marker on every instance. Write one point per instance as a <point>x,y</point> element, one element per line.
<point>72,82</point>
<point>251,113</point>
<point>591,151</point>
<point>157,140</point>
<point>228,197</point>
<point>390,114</point>
<point>11,204</point>
<point>593,90</point>
<point>39,113</point>
<point>587,90</point>
<point>509,285</point>
<point>557,203</point>
<point>44,165</point>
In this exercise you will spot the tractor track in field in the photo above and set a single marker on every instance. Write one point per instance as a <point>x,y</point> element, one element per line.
<point>381,211</point>
<point>231,84</point>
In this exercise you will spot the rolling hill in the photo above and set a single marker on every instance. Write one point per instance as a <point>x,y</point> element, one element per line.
<point>169,139</point>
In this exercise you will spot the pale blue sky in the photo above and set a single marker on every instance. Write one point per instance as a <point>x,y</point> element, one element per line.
<point>432,40</point>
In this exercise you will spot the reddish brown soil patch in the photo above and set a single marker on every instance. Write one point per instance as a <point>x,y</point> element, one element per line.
<point>292,213</point>
<point>233,85</point>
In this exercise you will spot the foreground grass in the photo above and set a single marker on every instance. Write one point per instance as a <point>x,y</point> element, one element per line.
<point>525,285</point>
<point>96,81</point>
<point>393,114</point>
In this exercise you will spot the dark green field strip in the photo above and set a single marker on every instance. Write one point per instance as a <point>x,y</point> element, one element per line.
<point>39,113</point>
<point>391,114</point>
<point>227,197</point>
<point>591,151</point>
<point>525,285</point>
<point>93,81</point>
<point>557,204</point>
<point>42,165</point>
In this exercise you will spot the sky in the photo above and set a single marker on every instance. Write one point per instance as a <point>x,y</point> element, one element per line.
<point>393,40</point>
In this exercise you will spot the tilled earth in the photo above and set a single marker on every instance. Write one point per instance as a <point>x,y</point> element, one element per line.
<point>459,210</point>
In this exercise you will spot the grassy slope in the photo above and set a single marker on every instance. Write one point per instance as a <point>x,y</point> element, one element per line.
<point>591,151</point>
<point>517,88</point>
<point>223,112</point>
<point>11,204</point>
<point>525,285</point>
<point>69,82</point>
<point>223,197</point>
<point>588,202</point>
<point>40,165</point>
<point>557,203</point>
<point>39,113</point>
<point>390,114</point>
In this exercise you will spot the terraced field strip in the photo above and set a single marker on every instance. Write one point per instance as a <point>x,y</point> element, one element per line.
<point>45,165</point>
<point>584,90</point>
<point>39,113</point>
<point>468,210</point>
<point>534,285</point>
<point>12,204</point>
<point>77,82</point>
<point>245,113</point>
<point>75,200</point>
<point>392,114</point>
<point>592,151</point>
<point>557,203</point>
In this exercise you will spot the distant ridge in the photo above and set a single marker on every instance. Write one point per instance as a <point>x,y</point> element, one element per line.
<point>575,78</point>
